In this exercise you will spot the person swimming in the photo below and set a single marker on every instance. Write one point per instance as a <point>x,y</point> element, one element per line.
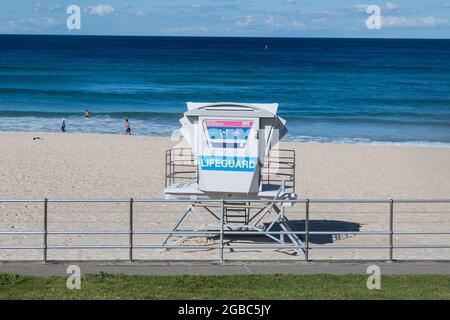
<point>127,127</point>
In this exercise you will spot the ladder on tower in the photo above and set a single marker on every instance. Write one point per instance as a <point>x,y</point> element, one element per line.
<point>236,213</point>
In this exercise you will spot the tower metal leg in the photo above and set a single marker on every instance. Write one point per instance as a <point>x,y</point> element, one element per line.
<point>190,209</point>
<point>177,224</point>
<point>293,237</point>
<point>272,207</point>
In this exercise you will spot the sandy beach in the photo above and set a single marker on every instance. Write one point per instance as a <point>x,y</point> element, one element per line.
<point>90,166</point>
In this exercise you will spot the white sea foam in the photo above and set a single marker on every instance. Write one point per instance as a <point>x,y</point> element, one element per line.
<point>346,140</point>
<point>99,124</point>
<point>114,125</point>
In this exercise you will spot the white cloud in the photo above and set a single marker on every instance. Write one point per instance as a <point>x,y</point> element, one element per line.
<point>244,21</point>
<point>391,5</point>
<point>38,7</point>
<point>298,25</point>
<point>361,7</point>
<point>272,22</point>
<point>100,10</point>
<point>185,31</point>
<point>132,11</point>
<point>139,13</point>
<point>30,24</point>
<point>395,21</point>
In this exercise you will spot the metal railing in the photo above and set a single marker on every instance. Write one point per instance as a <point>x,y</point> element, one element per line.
<point>221,233</point>
<point>278,167</point>
<point>180,166</point>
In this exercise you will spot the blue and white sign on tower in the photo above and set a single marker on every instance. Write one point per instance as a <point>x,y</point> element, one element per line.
<point>247,164</point>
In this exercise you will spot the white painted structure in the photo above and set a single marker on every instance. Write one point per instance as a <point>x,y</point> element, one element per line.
<point>233,156</point>
<point>230,143</point>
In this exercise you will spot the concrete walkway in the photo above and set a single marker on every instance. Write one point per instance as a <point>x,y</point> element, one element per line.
<point>227,268</point>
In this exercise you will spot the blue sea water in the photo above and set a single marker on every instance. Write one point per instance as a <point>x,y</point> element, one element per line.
<point>329,90</point>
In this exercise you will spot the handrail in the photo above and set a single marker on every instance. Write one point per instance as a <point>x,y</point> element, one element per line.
<point>274,167</point>
<point>391,246</point>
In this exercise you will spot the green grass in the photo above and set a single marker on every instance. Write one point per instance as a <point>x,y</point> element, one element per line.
<point>105,286</point>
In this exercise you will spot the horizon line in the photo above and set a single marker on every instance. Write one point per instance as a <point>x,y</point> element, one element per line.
<point>215,36</point>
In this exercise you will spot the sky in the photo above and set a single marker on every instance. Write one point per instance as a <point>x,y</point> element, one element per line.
<point>249,18</point>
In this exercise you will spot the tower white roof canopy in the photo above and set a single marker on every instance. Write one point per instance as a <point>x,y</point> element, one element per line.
<point>233,106</point>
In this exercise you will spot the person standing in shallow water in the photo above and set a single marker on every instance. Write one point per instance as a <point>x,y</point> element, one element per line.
<point>63,125</point>
<point>86,113</point>
<point>127,127</point>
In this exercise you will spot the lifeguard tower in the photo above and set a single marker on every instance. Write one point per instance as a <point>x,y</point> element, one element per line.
<point>231,153</point>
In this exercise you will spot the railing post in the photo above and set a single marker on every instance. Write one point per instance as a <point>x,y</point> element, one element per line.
<point>293,186</point>
<point>165,172</point>
<point>221,228</point>
<point>391,230</point>
<point>131,231</point>
<point>307,231</point>
<point>44,258</point>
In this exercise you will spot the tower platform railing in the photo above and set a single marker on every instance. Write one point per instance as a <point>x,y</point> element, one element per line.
<point>278,167</point>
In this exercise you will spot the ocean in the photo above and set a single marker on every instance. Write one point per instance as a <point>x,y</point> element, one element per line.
<point>380,91</point>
